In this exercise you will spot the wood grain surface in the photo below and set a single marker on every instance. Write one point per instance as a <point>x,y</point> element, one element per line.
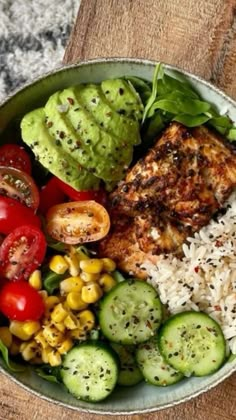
<point>196,35</point>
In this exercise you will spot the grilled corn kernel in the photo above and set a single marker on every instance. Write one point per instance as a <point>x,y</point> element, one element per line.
<point>108,264</point>
<point>45,352</point>
<point>73,264</point>
<point>35,280</point>
<point>91,293</point>
<point>71,322</point>
<point>31,327</point>
<point>39,338</point>
<point>51,301</point>
<point>43,294</point>
<point>71,284</point>
<point>60,326</point>
<point>16,328</point>
<point>6,336</point>
<point>58,264</point>
<point>86,277</point>
<point>15,346</point>
<point>92,266</point>
<point>59,313</point>
<point>29,350</point>
<point>78,334</point>
<point>107,282</point>
<point>52,335</point>
<point>87,320</point>
<point>54,358</point>
<point>65,346</point>
<point>75,302</point>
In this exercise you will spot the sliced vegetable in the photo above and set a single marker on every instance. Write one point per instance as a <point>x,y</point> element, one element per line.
<point>14,214</point>
<point>78,222</point>
<point>75,195</point>
<point>20,186</point>
<point>129,374</point>
<point>21,302</point>
<point>130,313</point>
<point>192,343</point>
<point>21,252</point>
<point>14,156</point>
<point>90,371</point>
<point>153,366</point>
<point>50,195</point>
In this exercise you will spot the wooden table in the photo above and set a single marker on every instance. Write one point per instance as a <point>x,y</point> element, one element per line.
<point>199,36</point>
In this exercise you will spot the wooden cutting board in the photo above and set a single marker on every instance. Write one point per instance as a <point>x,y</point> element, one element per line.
<point>196,35</point>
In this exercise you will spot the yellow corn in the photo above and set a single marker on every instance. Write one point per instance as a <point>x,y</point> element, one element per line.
<point>65,346</point>
<point>107,282</point>
<point>60,326</point>
<point>92,266</point>
<point>39,338</point>
<point>52,335</point>
<point>59,313</point>
<point>73,264</point>
<point>50,303</point>
<point>108,264</point>
<point>54,358</point>
<point>86,277</point>
<point>71,322</point>
<point>75,302</point>
<point>71,284</point>
<point>6,336</point>
<point>16,328</point>
<point>43,294</point>
<point>45,352</point>
<point>35,280</point>
<point>58,264</point>
<point>91,293</point>
<point>87,320</point>
<point>78,334</point>
<point>31,327</point>
<point>29,350</point>
<point>15,346</point>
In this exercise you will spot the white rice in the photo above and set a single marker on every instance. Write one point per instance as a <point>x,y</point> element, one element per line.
<point>205,278</point>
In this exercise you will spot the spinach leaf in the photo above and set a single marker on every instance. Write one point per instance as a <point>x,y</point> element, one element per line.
<point>49,374</point>
<point>118,276</point>
<point>158,73</point>
<point>191,121</point>
<point>14,367</point>
<point>51,281</point>
<point>143,87</point>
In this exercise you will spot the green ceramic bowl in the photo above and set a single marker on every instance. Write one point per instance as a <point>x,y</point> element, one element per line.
<point>142,398</point>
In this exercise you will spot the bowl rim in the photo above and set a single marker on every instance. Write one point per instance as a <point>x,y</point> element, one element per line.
<point>38,80</point>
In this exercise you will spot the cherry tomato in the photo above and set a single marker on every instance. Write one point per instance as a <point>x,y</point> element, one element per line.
<point>14,214</point>
<point>50,195</point>
<point>96,195</point>
<point>78,222</point>
<point>21,252</point>
<point>16,157</point>
<point>21,302</point>
<point>20,186</point>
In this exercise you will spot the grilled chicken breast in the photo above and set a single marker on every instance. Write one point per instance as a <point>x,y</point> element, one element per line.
<point>168,195</point>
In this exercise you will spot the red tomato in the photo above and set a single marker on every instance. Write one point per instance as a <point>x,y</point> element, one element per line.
<point>14,214</point>
<point>78,222</point>
<point>21,252</point>
<point>20,186</point>
<point>50,195</point>
<point>16,157</point>
<point>96,195</point>
<point>21,302</point>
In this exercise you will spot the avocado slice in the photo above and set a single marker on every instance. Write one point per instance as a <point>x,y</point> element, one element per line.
<point>75,129</point>
<point>123,98</point>
<point>35,134</point>
<point>93,99</point>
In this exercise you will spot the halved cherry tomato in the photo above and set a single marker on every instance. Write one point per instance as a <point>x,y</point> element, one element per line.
<point>78,222</point>
<point>16,157</point>
<point>21,302</point>
<point>20,186</point>
<point>96,195</point>
<point>50,195</point>
<point>14,214</point>
<point>21,252</point>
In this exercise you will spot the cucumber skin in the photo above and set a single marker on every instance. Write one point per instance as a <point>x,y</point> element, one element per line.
<point>96,344</point>
<point>176,316</point>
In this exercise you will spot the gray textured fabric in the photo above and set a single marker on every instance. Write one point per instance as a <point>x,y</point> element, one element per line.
<point>33,35</point>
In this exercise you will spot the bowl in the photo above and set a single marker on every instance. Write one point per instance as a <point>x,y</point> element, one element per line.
<point>142,398</point>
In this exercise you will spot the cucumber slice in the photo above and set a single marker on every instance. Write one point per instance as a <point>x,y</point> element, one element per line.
<point>130,373</point>
<point>153,366</point>
<point>130,313</point>
<point>192,343</point>
<point>90,371</point>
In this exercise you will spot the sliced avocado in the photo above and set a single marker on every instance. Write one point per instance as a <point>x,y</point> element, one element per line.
<point>35,134</point>
<point>123,98</point>
<point>75,129</point>
<point>93,99</point>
